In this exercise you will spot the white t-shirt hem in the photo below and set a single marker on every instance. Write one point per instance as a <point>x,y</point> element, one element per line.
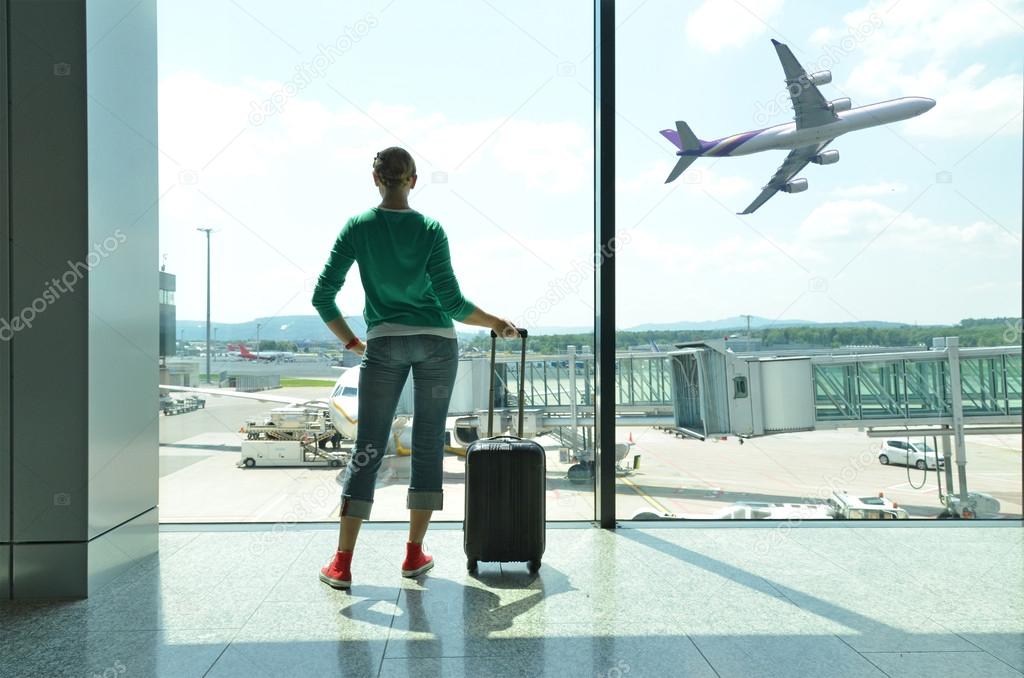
<point>401,330</point>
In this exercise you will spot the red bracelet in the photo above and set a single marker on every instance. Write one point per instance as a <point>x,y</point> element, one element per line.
<point>349,345</point>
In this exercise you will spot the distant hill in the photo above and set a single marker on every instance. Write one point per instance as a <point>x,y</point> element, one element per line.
<point>756,322</point>
<point>278,328</point>
<point>310,327</point>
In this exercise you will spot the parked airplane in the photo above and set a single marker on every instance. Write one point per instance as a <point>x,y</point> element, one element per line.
<point>245,353</point>
<point>816,124</point>
<point>343,406</point>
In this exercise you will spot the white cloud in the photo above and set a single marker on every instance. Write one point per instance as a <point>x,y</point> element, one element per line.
<point>696,179</point>
<point>938,27</point>
<point>718,24</point>
<point>842,222</point>
<point>644,181</point>
<point>917,48</point>
<point>286,184</point>
<point>968,108</point>
<point>867,190</point>
<point>556,157</point>
<point>199,118</point>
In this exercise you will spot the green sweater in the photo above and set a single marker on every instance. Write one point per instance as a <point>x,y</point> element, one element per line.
<point>405,268</point>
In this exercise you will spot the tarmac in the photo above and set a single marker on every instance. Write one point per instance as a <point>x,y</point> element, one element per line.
<point>200,481</point>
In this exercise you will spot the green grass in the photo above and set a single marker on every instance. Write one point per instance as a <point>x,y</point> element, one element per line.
<point>292,382</point>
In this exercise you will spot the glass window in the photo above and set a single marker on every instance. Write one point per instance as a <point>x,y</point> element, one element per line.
<point>786,340</point>
<point>268,115</point>
<point>739,387</point>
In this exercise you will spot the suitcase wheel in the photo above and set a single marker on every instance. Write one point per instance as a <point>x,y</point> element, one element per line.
<point>533,565</point>
<point>471,564</point>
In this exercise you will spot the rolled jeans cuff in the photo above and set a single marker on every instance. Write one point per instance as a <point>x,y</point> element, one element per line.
<point>355,508</point>
<point>426,500</point>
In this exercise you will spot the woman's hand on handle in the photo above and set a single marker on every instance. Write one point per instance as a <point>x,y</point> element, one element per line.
<point>504,329</point>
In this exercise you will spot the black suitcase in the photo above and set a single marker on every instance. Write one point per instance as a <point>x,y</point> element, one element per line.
<point>505,484</point>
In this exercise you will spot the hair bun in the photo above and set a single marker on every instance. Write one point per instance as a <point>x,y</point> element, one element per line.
<point>393,165</point>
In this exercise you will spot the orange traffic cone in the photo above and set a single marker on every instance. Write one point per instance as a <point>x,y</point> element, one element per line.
<point>631,436</point>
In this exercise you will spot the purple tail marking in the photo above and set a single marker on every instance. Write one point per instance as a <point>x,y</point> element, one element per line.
<point>672,136</point>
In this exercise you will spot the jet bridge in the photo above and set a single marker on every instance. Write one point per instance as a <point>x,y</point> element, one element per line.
<point>709,391</point>
<point>705,390</point>
<point>717,392</point>
<point>946,391</point>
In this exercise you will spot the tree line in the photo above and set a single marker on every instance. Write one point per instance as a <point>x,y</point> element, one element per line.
<point>972,332</point>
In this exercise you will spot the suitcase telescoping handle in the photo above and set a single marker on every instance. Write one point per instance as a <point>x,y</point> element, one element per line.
<point>522,373</point>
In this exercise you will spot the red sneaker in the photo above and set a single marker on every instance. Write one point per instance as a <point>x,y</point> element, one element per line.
<point>338,573</point>
<point>416,561</point>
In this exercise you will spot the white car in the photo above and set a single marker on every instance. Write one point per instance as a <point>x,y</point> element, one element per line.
<point>917,454</point>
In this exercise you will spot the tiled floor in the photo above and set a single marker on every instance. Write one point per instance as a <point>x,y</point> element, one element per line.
<point>833,601</point>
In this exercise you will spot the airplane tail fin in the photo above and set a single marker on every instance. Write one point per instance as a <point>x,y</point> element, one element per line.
<point>685,140</point>
<point>683,137</point>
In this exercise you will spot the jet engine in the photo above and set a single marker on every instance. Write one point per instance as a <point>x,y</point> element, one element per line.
<point>826,158</point>
<point>820,78</point>
<point>795,186</point>
<point>840,105</point>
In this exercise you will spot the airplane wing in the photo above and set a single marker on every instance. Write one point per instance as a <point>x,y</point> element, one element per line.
<point>809,107</point>
<point>259,397</point>
<point>791,166</point>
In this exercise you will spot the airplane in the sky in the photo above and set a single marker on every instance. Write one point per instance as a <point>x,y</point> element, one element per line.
<point>817,122</point>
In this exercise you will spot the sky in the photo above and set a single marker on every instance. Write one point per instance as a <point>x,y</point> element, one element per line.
<point>271,113</point>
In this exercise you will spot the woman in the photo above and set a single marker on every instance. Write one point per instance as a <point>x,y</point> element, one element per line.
<point>412,296</point>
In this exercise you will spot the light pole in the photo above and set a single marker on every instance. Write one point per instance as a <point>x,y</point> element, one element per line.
<point>258,326</point>
<point>207,231</point>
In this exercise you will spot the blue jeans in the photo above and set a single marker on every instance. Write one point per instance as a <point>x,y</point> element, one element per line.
<point>434,362</point>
